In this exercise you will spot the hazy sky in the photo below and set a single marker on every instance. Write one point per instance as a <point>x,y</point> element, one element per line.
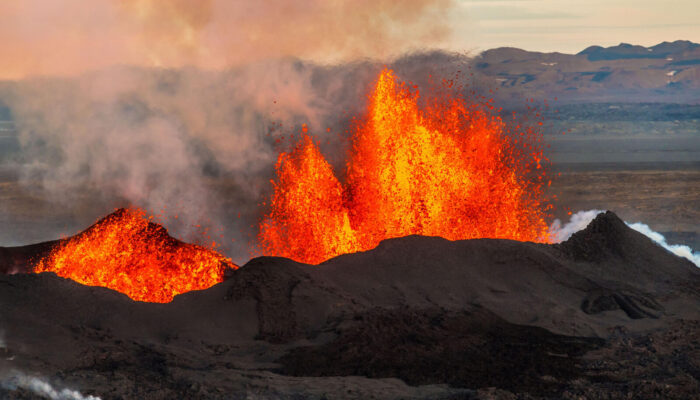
<point>570,26</point>
<point>58,37</point>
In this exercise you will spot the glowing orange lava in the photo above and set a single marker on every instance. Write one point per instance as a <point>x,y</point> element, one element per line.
<point>126,252</point>
<point>447,168</point>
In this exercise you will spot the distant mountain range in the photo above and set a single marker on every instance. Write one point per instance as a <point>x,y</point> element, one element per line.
<point>666,72</point>
<point>679,48</point>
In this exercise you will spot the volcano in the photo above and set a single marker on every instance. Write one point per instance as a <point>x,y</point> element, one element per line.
<point>607,313</point>
<point>127,252</point>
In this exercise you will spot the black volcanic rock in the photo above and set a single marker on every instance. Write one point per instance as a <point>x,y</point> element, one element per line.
<point>470,349</point>
<point>608,249</point>
<point>606,314</point>
<point>21,258</point>
<point>606,236</point>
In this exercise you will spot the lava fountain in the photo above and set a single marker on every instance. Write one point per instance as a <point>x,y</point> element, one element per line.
<point>447,166</point>
<point>127,252</point>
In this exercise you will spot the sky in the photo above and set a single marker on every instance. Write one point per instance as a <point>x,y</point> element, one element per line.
<point>571,26</point>
<point>67,37</point>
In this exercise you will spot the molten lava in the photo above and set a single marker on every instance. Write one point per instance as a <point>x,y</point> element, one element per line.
<point>448,167</point>
<point>126,252</point>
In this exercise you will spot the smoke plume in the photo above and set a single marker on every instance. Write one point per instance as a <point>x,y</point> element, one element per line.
<point>581,219</point>
<point>187,143</point>
<point>42,37</point>
<point>15,380</point>
<point>181,107</point>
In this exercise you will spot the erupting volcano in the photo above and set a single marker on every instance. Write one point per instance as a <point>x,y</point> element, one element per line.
<point>447,166</point>
<point>126,252</point>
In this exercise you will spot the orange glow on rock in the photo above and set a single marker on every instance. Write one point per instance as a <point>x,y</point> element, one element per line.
<point>126,252</point>
<point>447,168</point>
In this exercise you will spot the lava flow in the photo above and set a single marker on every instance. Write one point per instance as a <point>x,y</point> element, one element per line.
<point>446,167</point>
<point>126,252</point>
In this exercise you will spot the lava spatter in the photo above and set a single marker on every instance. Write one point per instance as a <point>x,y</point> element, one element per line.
<point>445,167</point>
<point>127,252</point>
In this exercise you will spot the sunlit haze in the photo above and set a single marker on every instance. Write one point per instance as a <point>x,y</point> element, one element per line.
<point>571,26</point>
<point>64,37</point>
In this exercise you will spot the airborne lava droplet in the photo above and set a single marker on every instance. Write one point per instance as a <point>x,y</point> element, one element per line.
<point>449,168</point>
<point>126,252</point>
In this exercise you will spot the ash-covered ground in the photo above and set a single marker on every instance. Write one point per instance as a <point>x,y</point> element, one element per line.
<point>606,314</point>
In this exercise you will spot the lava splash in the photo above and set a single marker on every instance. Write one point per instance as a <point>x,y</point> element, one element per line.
<point>447,166</point>
<point>127,252</point>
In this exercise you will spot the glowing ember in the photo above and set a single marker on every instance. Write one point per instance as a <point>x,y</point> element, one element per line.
<point>450,169</point>
<point>128,253</point>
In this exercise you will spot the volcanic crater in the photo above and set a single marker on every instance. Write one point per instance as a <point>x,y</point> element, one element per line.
<point>607,313</point>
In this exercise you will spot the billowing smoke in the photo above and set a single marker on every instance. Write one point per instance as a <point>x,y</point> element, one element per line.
<point>15,380</point>
<point>156,139</point>
<point>199,145</point>
<point>73,36</point>
<point>180,107</point>
<point>581,219</point>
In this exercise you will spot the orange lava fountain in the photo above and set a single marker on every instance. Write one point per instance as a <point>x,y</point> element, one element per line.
<point>450,168</point>
<point>126,252</point>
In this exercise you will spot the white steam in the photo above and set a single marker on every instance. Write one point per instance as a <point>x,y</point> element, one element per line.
<point>578,221</point>
<point>15,380</point>
<point>581,219</point>
<point>677,249</point>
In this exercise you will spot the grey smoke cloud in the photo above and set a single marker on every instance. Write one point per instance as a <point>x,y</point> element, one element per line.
<point>200,144</point>
<point>154,139</point>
